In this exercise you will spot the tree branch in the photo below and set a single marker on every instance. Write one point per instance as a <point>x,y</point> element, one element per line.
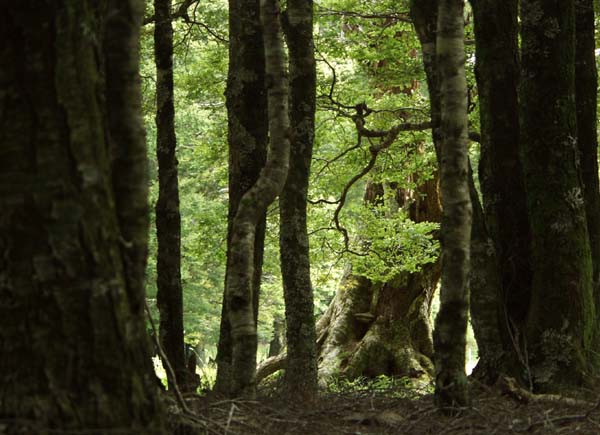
<point>400,17</point>
<point>180,12</point>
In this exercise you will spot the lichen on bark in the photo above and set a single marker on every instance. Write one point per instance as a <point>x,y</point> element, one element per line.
<point>253,205</point>
<point>562,300</point>
<point>451,321</point>
<point>76,355</point>
<point>247,132</point>
<point>301,372</point>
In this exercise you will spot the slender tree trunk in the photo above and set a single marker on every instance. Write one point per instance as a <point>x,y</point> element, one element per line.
<point>73,222</point>
<point>561,317</point>
<point>253,206</point>
<point>451,321</point>
<point>484,280</point>
<point>502,182</point>
<point>247,138</point>
<point>277,343</point>
<point>424,15</point>
<point>169,296</point>
<point>301,373</point>
<point>586,83</point>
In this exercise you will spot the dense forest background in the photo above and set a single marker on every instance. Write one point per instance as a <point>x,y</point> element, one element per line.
<point>369,54</point>
<point>211,207</point>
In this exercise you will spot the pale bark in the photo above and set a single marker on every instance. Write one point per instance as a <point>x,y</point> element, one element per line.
<point>451,321</point>
<point>247,128</point>
<point>253,205</point>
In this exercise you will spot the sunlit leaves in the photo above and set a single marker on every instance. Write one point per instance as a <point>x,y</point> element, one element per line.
<point>396,244</point>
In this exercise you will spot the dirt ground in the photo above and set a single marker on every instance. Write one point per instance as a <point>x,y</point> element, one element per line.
<point>407,411</point>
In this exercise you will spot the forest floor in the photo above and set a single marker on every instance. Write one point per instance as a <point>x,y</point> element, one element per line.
<point>493,411</point>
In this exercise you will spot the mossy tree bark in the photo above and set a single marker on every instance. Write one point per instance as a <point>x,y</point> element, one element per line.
<point>301,373</point>
<point>451,322</point>
<point>484,279</point>
<point>586,99</point>
<point>371,328</point>
<point>246,100</point>
<point>562,313</point>
<point>73,220</point>
<point>502,184</point>
<point>168,221</point>
<point>253,206</point>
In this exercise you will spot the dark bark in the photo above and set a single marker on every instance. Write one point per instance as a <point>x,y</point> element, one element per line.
<point>502,188</point>
<point>128,158</point>
<point>485,304</point>
<point>247,138</point>
<point>424,16</point>
<point>501,175</point>
<point>301,373</point>
<point>586,96</point>
<point>75,354</point>
<point>169,295</point>
<point>561,317</point>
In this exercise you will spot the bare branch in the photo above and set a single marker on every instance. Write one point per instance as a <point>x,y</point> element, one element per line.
<point>177,13</point>
<point>182,13</point>
<point>395,16</point>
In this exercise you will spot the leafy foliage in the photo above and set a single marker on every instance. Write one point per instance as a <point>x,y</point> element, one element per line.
<point>368,53</point>
<point>396,244</point>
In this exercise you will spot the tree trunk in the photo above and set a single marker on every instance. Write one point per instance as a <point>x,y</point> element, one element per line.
<point>372,329</point>
<point>73,221</point>
<point>169,295</point>
<point>253,206</point>
<point>246,100</point>
<point>451,321</point>
<point>561,317</point>
<point>424,16</point>
<point>502,188</point>
<point>586,82</point>
<point>277,343</point>
<point>485,303</point>
<point>301,373</point>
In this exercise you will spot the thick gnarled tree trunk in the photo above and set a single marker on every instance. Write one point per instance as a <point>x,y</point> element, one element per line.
<point>372,329</point>
<point>73,220</point>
